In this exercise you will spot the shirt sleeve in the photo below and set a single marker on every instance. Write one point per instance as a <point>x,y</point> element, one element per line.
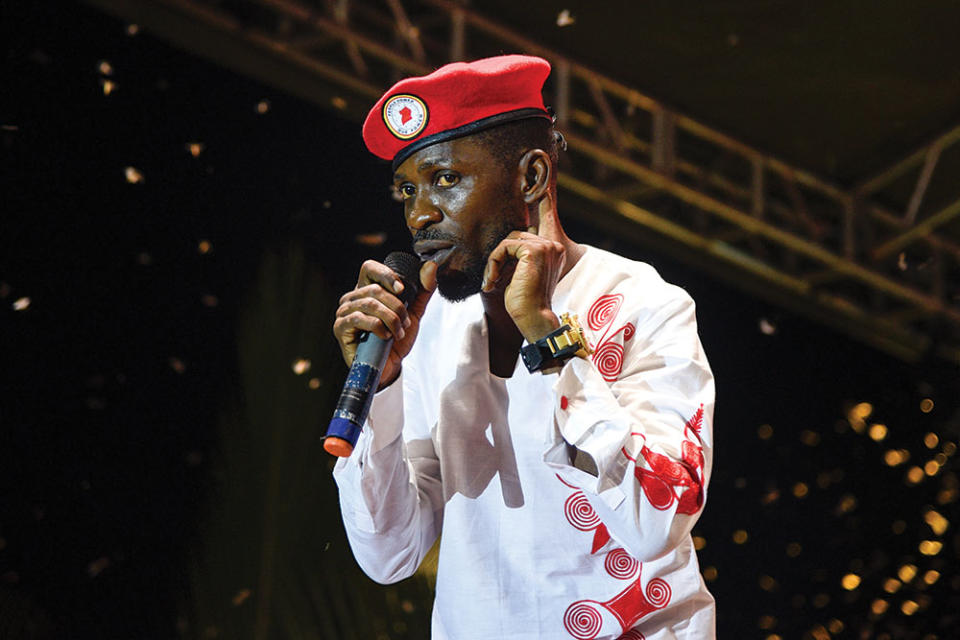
<point>644,428</point>
<point>391,498</point>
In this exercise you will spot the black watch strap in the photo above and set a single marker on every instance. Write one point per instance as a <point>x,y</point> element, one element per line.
<point>557,346</point>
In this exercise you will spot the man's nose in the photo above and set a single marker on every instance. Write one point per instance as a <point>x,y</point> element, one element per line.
<point>422,213</point>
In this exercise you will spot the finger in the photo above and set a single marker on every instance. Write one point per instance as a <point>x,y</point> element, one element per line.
<point>373,272</point>
<point>348,326</point>
<point>373,307</point>
<point>508,249</point>
<point>376,292</point>
<point>428,280</point>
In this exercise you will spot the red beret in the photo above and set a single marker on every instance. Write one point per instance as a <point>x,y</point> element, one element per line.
<point>456,100</point>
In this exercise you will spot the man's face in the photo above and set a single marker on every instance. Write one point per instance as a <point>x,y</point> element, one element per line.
<point>459,202</point>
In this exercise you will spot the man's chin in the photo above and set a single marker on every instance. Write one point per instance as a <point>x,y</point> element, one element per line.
<point>457,286</point>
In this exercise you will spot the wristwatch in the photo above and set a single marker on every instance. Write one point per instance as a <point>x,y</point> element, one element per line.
<point>557,346</point>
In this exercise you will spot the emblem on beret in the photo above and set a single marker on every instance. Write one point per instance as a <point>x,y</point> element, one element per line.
<point>405,116</point>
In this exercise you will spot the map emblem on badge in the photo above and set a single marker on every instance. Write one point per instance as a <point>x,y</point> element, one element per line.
<point>405,116</point>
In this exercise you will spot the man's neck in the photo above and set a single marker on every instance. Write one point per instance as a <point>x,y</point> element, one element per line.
<point>504,339</point>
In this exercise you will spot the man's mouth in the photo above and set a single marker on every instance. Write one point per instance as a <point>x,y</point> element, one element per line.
<point>434,250</point>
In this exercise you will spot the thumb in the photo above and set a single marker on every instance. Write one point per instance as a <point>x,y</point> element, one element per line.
<point>428,284</point>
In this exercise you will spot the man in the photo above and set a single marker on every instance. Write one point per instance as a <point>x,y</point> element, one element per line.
<point>564,483</point>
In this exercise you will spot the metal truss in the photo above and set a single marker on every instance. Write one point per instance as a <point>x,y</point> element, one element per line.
<point>889,278</point>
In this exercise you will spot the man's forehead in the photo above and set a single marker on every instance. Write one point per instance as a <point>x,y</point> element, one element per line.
<point>447,153</point>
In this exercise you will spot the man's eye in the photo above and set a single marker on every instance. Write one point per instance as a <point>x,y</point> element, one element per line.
<point>406,191</point>
<point>447,179</point>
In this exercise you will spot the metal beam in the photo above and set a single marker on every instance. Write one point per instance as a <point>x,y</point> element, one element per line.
<point>729,204</point>
<point>885,177</point>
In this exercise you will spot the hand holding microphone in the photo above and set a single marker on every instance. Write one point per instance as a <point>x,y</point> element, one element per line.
<point>376,326</point>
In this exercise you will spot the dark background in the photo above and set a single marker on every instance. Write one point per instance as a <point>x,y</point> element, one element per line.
<point>116,374</point>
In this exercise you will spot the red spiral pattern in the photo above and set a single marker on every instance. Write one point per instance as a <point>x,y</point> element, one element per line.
<point>582,620</point>
<point>609,360</point>
<point>632,634</point>
<point>602,311</point>
<point>658,593</point>
<point>620,564</point>
<point>628,331</point>
<point>579,512</point>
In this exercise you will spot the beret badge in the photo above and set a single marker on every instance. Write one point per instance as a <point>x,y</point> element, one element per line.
<point>405,115</point>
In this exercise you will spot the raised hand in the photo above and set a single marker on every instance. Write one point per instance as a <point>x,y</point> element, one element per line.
<point>527,267</point>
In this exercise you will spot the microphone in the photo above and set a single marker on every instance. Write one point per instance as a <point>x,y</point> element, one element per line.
<point>364,376</point>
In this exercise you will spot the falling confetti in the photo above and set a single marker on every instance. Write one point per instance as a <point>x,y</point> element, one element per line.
<point>21,304</point>
<point>767,328</point>
<point>241,596</point>
<point>133,175</point>
<point>565,19</point>
<point>98,566</point>
<point>371,239</point>
<point>301,366</point>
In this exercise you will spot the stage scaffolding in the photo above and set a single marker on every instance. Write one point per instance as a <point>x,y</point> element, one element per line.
<point>635,167</point>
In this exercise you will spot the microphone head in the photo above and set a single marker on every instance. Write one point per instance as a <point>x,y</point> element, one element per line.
<point>407,266</point>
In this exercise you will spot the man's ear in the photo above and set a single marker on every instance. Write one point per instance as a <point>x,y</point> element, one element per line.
<point>536,172</point>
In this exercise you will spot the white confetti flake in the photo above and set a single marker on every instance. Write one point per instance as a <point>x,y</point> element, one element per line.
<point>301,366</point>
<point>565,19</point>
<point>767,328</point>
<point>21,304</point>
<point>133,175</point>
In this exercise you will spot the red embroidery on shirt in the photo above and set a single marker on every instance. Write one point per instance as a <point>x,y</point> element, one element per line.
<point>668,481</point>
<point>608,355</point>
<point>581,515</point>
<point>583,618</point>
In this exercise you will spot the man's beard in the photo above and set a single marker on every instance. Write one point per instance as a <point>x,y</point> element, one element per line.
<point>458,285</point>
